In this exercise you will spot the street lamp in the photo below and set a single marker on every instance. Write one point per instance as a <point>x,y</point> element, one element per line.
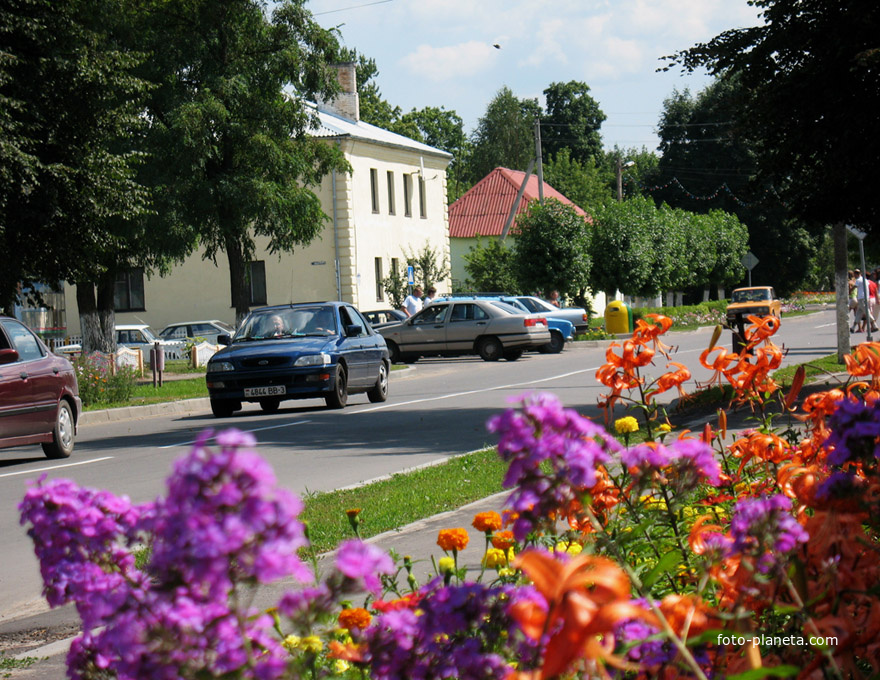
<point>620,168</point>
<point>859,234</point>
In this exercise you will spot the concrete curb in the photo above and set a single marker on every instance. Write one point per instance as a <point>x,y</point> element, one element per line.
<point>115,415</point>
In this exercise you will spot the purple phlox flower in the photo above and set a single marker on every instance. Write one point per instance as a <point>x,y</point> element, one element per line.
<point>840,484</point>
<point>645,457</point>
<point>644,643</point>
<point>451,636</point>
<point>298,604</point>
<point>695,460</point>
<point>764,529</point>
<point>364,562</point>
<point>552,455</point>
<point>855,432</point>
<point>224,518</point>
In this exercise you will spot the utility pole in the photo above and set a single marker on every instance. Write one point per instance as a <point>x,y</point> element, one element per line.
<point>540,163</point>
<point>620,167</point>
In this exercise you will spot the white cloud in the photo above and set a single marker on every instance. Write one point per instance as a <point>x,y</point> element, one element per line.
<point>447,63</point>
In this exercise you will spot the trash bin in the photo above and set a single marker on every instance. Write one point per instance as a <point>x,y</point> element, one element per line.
<point>617,317</point>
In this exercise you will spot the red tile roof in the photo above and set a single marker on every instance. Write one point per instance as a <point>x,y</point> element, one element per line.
<point>484,208</point>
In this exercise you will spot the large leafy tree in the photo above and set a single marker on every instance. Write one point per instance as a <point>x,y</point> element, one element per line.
<point>504,136</point>
<point>710,163</point>
<point>230,149</point>
<point>552,250</point>
<point>70,106</point>
<point>572,122</point>
<point>490,267</point>
<point>585,184</point>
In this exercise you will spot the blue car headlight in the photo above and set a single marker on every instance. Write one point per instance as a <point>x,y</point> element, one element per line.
<point>321,359</point>
<point>220,366</point>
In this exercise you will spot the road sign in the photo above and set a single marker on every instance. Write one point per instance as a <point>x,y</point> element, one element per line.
<point>749,261</point>
<point>410,275</point>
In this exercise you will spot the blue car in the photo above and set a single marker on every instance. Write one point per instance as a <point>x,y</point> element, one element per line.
<point>298,351</point>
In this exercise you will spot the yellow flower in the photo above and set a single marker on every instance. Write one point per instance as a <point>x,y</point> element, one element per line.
<point>312,644</point>
<point>569,547</point>
<point>494,558</point>
<point>291,642</point>
<point>446,565</point>
<point>506,572</point>
<point>626,425</point>
<point>664,427</point>
<point>340,666</point>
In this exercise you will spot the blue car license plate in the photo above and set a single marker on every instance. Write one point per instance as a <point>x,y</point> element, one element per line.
<point>270,391</point>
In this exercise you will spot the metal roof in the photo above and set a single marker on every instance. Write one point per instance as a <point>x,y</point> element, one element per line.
<point>332,126</point>
<point>484,208</point>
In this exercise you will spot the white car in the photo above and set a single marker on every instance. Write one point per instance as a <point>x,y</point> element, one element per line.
<point>576,315</point>
<point>135,335</point>
<point>185,330</point>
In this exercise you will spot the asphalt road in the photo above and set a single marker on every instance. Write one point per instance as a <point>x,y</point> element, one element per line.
<point>435,410</point>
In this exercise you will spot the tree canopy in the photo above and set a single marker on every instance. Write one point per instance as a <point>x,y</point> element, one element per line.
<point>572,121</point>
<point>809,102</point>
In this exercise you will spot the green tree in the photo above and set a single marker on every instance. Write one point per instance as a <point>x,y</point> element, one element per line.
<point>552,250</point>
<point>230,150</point>
<point>490,268</point>
<point>572,122</point>
<point>428,266</point>
<point>504,136</point>
<point>70,106</point>
<point>814,150</point>
<point>584,184</point>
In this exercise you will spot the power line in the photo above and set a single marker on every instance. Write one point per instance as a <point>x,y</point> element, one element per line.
<point>343,9</point>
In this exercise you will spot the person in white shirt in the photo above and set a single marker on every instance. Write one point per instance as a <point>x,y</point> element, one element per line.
<point>413,303</point>
<point>429,298</point>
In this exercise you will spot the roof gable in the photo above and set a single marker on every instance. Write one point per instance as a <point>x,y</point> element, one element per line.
<point>484,208</point>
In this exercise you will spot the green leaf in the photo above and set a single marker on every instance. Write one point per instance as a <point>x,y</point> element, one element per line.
<point>667,563</point>
<point>758,673</point>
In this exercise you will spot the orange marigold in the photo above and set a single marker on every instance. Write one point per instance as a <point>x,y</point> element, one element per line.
<point>355,617</point>
<point>487,521</point>
<point>503,540</point>
<point>453,539</point>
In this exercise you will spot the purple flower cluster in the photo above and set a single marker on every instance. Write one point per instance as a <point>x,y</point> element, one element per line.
<point>363,562</point>
<point>685,462</point>
<point>764,529</point>
<point>223,524</point>
<point>552,454</point>
<point>855,432</point>
<point>452,635</point>
<point>644,643</point>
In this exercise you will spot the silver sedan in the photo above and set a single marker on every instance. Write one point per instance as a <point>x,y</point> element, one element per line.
<point>489,328</point>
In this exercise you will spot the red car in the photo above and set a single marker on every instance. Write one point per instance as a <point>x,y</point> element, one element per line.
<point>39,395</point>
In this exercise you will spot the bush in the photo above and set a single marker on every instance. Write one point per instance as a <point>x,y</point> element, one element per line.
<point>98,384</point>
<point>703,314</point>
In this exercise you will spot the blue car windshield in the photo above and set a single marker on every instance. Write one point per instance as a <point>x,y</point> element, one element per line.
<point>295,322</point>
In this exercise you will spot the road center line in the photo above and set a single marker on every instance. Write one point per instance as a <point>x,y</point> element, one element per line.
<point>56,467</point>
<point>256,429</point>
<point>485,389</point>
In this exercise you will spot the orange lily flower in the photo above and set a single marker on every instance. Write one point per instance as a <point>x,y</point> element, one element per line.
<point>672,379</point>
<point>651,332</point>
<point>586,597</point>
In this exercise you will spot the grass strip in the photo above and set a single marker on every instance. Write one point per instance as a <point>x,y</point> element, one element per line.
<point>403,498</point>
<point>171,390</point>
<point>817,368</point>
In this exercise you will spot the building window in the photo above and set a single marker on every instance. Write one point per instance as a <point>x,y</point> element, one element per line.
<point>390,192</point>
<point>380,292</point>
<point>423,205</point>
<point>128,294</point>
<point>407,195</point>
<point>374,188</point>
<point>395,266</point>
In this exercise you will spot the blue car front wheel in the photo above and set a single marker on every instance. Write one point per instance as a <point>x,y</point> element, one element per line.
<point>339,396</point>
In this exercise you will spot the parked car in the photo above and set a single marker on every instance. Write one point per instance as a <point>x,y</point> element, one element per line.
<point>576,315</point>
<point>298,351</point>
<point>472,326</point>
<point>561,330</point>
<point>383,317</point>
<point>754,300</point>
<point>39,394</point>
<point>134,335</point>
<point>187,330</point>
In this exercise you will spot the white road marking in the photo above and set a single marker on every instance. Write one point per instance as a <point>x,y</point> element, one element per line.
<point>485,389</point>
<point>56,467</point>
<point>256,429</point>
<point>825,325</point>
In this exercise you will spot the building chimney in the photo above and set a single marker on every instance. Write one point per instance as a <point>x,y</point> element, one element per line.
<point>345,104</point>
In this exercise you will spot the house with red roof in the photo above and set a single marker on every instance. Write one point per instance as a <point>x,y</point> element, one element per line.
<point>484,209</point>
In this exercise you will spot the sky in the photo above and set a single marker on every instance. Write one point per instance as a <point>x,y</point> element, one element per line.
<point>442,52</point>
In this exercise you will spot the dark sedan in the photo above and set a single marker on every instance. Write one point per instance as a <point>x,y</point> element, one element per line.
<point>298,351</point>
<point>39,395</point>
